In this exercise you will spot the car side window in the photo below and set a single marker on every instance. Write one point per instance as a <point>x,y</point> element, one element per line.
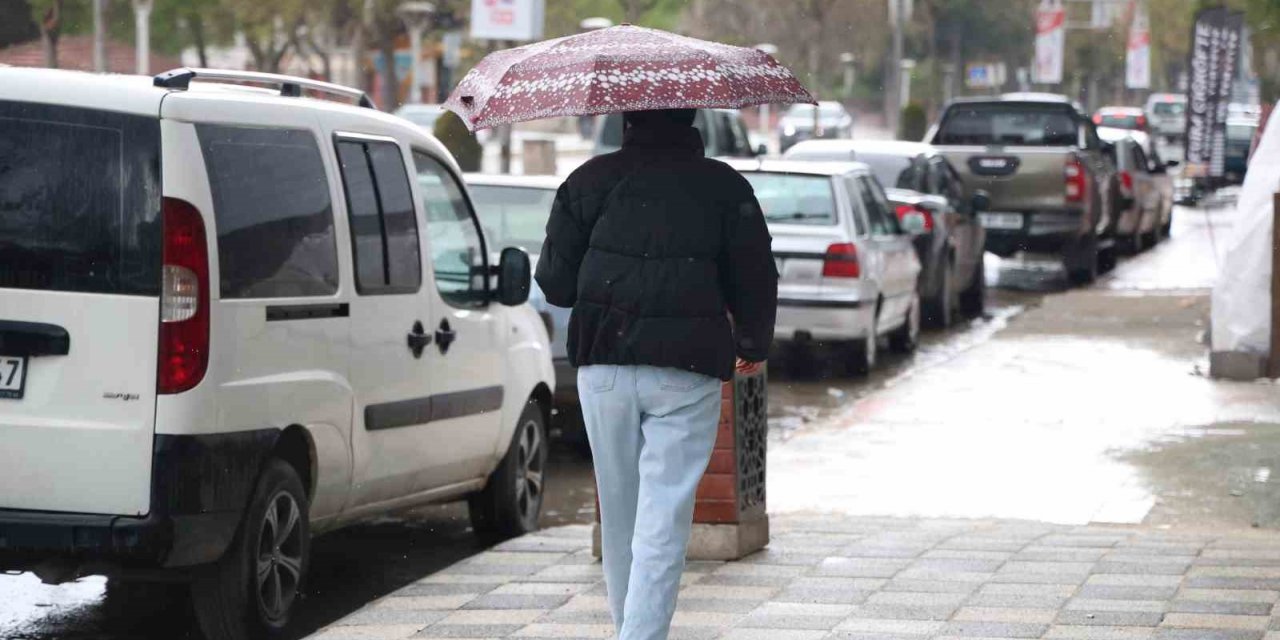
<point>272,208</point>
<point>384,227</point>
<point>883,222</point>
<point>856,206</point>
<point>457,248</point>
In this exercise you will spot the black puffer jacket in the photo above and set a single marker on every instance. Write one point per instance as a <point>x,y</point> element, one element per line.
<point>655,247</point>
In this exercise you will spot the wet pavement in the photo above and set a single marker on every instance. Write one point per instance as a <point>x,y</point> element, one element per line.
<point>1058,406</point>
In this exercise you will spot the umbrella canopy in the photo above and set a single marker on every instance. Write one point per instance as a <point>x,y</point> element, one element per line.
<point>623,68</point>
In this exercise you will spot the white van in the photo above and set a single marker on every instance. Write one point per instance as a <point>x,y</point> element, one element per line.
<point>234,317</point>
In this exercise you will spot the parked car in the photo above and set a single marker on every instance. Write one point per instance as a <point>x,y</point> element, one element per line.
<point>1128,118</point>
<point>847,270</point>
<point>928,198</point>
<point>513,211</point>
<point>1167,114</point>
<point>1050,183</point>
<point>1240,134</point>
<point>829,119</point>
<point>1146,190</point>
<point>423,115</point>
<point>232,318</point>
<point>724,134</point>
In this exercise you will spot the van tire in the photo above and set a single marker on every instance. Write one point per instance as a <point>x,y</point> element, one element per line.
<point>228,599</point>
<point>511,502</point>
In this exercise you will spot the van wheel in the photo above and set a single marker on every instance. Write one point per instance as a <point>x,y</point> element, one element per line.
<point>906,338</point>
<point>251,591</point>
<point>509,505</point>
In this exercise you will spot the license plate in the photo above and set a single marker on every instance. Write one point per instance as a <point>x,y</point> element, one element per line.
<point>998,220</point>
<point>13,377</point>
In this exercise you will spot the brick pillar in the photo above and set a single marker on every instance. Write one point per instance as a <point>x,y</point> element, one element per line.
<point>729,518</point>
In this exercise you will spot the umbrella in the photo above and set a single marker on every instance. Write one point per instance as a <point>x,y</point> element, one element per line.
<point>622,68</point>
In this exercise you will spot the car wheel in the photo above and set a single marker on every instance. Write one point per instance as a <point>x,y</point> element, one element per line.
<point>862,356</point>
<point>940,308</point>
<point>511,502</point>
<point>973,300</point>
<point>252,590</point>
<point>906,338</point>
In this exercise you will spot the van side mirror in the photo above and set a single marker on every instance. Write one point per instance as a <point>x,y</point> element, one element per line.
<point>514,277</point>
<point>980,201</point>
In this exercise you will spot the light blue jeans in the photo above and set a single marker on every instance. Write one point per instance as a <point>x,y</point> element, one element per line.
<point>651,431</point>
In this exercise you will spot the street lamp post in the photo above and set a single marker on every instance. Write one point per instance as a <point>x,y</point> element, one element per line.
<point>142,20</point>
<point>848,60</point>
<point>771,49</point>
<point>904,83</point>
<point>99,36</point>
<point>417,18</point>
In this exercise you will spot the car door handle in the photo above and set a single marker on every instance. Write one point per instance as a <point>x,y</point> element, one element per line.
<point>445,336</point>
<point>418,340</point>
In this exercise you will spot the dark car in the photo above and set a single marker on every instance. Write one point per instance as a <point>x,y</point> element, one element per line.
<point>724,134</point>
<point>827,120</point>
<point>929,199</point>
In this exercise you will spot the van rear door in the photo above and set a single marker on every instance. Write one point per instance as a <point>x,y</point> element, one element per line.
<point>80,257</point>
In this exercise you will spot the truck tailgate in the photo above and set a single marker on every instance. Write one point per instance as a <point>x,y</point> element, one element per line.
<point>1018,178</point>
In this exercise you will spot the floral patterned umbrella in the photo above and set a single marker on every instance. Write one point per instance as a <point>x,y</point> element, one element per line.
<point>622,68</point>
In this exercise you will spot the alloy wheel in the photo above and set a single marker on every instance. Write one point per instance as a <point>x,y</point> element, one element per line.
<point>279,560</point>
<point>529,471</point>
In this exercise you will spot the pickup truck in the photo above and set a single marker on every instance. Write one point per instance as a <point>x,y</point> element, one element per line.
<point>1050,182</point>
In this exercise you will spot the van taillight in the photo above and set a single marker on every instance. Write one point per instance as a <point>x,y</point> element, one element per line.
<point>184,299</point>
<point>1075,178</point>
<point>841,261</point>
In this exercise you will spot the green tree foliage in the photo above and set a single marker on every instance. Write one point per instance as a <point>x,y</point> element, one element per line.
<point>913,123</point>
<point>450,130</point>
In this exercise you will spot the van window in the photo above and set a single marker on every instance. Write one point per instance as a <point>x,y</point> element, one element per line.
<point>457,249</point>
<point>272,208</point>
<point>79,200</point>
<point>384,228</point>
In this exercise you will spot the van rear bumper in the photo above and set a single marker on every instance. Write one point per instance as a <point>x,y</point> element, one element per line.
<point>200,487</point>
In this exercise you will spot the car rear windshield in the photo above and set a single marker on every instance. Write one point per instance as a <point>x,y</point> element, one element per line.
<point>1169,108</point>
<point>79,200</point>
<point>1009,124</point>
<point>513,216</point>
<point>794,199</point>
<point>1119,122</point>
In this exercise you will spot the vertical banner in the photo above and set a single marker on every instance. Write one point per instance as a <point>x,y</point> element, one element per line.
<point>1137,61</point>
<point>1051,36</point>
<point>1215,53</point>
<point>507,19</point>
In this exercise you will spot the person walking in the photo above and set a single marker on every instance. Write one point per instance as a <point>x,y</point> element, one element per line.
<point>665,258</point>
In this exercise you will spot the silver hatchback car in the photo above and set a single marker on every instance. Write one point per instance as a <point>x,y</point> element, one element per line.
<point>847,269</point>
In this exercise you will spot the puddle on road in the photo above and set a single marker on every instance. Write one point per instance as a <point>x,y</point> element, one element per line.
<point>1217,475</point>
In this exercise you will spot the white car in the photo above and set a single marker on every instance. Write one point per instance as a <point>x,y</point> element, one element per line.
<point>847,269</point>
<point>233,317</point>
<point>513,211</point>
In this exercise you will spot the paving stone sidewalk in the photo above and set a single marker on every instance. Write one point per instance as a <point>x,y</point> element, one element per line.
<point>842,578</point>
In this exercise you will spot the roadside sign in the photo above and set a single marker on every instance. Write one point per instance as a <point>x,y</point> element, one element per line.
<point>1051,35</point>
<point>1137,61</point>
<point>507,19</point>
<point>1215,52</point>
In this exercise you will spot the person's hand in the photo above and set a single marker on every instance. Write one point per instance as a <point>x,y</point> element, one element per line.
<point>747,367</point>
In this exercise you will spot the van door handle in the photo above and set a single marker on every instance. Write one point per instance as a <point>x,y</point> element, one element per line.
<point>418,340</point>
<point>445,336</point>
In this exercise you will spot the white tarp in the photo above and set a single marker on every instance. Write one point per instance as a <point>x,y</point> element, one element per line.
<point>1241,311</point>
